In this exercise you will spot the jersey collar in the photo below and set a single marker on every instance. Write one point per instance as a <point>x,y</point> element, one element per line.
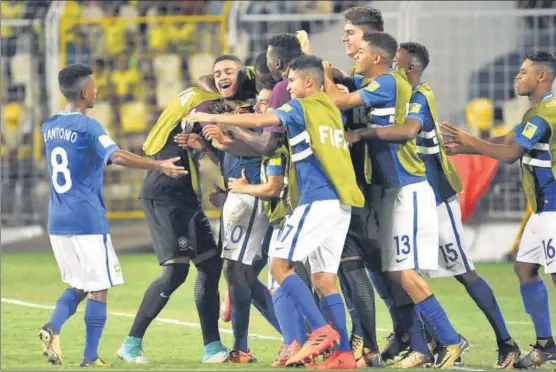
<point>547,95</point>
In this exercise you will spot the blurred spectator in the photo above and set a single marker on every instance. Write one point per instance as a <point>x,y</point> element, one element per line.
<point>16,153</point>
<point>125,79</point>
<point>102,80</point>
<point>78,50</point>
<point>10,10</point>
<point>114,33</point>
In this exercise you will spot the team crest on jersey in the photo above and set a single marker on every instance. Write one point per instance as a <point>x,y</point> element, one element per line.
<point>286,108</point>
<point>529,130</point>
<point>414,108</point>
<point>183,242</point>
<point>373,85</point>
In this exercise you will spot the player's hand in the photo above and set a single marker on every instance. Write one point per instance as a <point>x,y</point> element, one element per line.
<point>352,137</point>
<point>303,38</point>
<point>328,70</point>
<point>169,168</point>
<point>218,196</point>
<point>342,88</point>
<point>236,185</point>
<point>214,133</point>
<point>453,135</point>
<point>200,117</point>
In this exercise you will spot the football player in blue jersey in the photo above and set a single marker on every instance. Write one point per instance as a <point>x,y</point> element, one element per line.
<point>77,150</point>
<point>407,210</point>
<point>534,143</point>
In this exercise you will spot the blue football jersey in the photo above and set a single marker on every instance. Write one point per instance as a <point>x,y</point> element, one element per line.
<point>428,148</point>
<point>313,183</point>
<point>77,149</point>
<point>380,99</point>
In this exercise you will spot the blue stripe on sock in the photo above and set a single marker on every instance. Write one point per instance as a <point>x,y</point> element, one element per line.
<point>105,239</point>
<point>299,227</point>
<point>458,241</point>
<point>249,228</point>
<point>415,214</point>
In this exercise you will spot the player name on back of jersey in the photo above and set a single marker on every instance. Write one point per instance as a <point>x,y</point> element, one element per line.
<point>60,134</point>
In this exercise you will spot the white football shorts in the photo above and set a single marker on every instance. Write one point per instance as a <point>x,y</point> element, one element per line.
<point>316,232</point>
<point>453,257</point>
<point>538,243</point>
<point>87,262</point>
<point>244,224</point>
<point>408,228</point>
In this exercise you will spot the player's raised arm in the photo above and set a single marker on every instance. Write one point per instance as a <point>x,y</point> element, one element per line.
<point>507,153</point>
<point>131,160</point>
<point>243,121</point>
<point>342,100</point>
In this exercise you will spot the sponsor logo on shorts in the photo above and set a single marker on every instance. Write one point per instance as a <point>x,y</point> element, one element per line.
<point>402,260</point>
<point>450,266</point>
<point>549,263</point>
<point>117,268</point>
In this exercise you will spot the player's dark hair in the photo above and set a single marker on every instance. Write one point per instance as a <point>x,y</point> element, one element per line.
<point>417,52</point>
<point>285,47</point>
<point>544,59</point>
<point>228,57</point>
<point>309,64</point>
<point>71,80</point>
<point>260,63</point>
<point>368,18</point>
<point>383,41</point>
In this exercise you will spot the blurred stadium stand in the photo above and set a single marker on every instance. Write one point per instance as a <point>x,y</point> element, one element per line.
<point>145,52</point>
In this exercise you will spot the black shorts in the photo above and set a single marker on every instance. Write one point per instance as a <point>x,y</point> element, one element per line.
<point>179,231</point>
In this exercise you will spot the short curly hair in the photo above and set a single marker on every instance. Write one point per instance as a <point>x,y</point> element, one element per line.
<point>285,47</point>
<point>417,51</point>
<point>368,18</point>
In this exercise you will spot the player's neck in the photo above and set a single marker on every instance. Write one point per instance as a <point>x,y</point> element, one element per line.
<point>537,95</point>
<point>76,106</point>
<point>414,80</point>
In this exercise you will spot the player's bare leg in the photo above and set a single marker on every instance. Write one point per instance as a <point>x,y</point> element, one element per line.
<point>428,307</point>
<point>535,301</point>
<point>481,293</point>
<point>50,332</point>
<point>95,319</point>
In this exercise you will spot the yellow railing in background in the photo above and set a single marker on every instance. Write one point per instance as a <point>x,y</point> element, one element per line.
<point>140,64</point>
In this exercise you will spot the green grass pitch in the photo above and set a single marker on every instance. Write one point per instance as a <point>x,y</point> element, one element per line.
<point>177,344</point>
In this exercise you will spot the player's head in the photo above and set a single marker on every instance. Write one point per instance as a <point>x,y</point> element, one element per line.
<point>537,70</point>
<point>377,49</point>
<point>282,49</point>
<point>262,73</point>
<point>226,71</point>
<point>305,76</point>
<point>77,84</point>
<point>360,20</point>
<point>262,101</point>
<point>412,57</point>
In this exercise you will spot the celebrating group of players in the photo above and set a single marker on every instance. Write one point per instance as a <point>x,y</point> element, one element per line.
<point>328,174</point>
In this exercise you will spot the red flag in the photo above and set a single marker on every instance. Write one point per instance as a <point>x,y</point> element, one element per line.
<point>476,173</point>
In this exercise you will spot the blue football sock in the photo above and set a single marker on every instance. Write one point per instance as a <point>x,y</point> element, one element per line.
<point>333,309</point>
<point>283,308</point>
<point>535,301</point>
<point>482,294</point>
<point>437,319</point>
<point>262,300</point>
<point>428,335</point>
<point>380,283</point>
<point>417,332</point>
<point>302,298</point>
<point>65,307</point>
<point>95,318</point>
<point>241,305</point>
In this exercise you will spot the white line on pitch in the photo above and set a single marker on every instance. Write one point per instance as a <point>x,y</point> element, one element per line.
<point>126,315</point>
